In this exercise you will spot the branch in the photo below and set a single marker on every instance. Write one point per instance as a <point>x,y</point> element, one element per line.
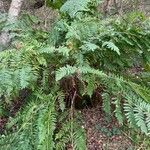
<point>105,7</point>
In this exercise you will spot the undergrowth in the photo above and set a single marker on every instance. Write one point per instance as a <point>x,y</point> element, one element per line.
<point>84,51</point>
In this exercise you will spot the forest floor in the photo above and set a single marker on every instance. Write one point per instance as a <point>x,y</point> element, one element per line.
<point>103,133</point>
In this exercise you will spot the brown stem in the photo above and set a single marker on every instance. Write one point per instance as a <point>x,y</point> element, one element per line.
<point>71,117</point>
<point>105,8</point>
<point>73,104</point>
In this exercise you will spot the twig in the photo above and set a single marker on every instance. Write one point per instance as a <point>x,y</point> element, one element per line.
<point>72,115</point>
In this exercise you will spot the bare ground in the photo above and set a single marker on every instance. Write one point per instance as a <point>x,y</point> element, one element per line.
<point>102,132</point>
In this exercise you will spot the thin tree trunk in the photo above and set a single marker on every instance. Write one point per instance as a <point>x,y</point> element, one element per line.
<point>2,10</point>
<point>105,7</point>
<point>13,14</point>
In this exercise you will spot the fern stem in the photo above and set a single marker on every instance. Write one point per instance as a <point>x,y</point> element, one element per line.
<point>72,116</point>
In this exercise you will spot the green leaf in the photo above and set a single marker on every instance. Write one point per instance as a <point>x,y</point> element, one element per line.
<point>111,46</point>
<point>71,7</point>
<point>87,46</point>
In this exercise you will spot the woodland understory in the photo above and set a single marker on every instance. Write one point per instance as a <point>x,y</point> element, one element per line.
<point>81,83</point>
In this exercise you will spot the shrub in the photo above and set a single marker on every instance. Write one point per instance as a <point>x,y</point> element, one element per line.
<point>91,52</point>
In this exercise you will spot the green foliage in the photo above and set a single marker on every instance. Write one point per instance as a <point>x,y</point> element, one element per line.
<point>56,4</point>
<point>106,103</point>
<point>73,7</point>
<point>137,112</point>
<point>16,71</point>
<point>68,134</point>
<point>92,51</point>
<point>37,128</point>
<point>111,46</point>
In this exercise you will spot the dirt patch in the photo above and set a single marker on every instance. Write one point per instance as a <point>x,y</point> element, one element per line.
<point>102,132</point>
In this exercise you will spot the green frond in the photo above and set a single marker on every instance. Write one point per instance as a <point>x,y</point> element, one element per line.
<point>96,52</point>
<point>140,119</point>
<point>79,139</point>
<point>60,99</point>
<point>63,136</point>
<point>142,91</point>
<point>46,126</point>
<point>137,113</point>
<point>52,50</point>
<point>128,108</point>
<point>110,45</point>
<point>72,7</point>
<point>118,110</point>
<point>91,85</point>
<point>106,103</point>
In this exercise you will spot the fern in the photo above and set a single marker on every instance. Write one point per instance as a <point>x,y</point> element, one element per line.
<point>118,111</point>
<point>132,114</point>
<point>95,51</point>
<point>61,137</point>
<point>106,103</point>
<point>91,85</point>
<point>79,139</point>
<point>128,108</point>
<point>144,92</point>
<point>38,122</point>
<point>72,7</point>
<point>139,117</point>
<point>111,46</point>
<point>137,112</point>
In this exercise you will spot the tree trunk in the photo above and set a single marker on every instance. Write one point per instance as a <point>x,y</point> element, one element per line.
<point>2,10</point>
<point>105,7</point>
<point>13,13</point>
<point>147,6</point>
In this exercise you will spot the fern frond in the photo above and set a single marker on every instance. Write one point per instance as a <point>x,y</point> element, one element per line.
<point>118,110</point>
<point>72,7</point>
<point>128,108</point>
<point>46,126</point>
<point>140,119</point>
<point>52,50</point>
<point>60,99</point>
<point>106,103</point>
<point>111,46</point>
<point>142,91</point>
<point>79,139</point>
<point>137,113</point>
<point>63,136</point>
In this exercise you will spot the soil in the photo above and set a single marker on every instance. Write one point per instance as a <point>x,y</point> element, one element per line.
<point>102,132</point>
